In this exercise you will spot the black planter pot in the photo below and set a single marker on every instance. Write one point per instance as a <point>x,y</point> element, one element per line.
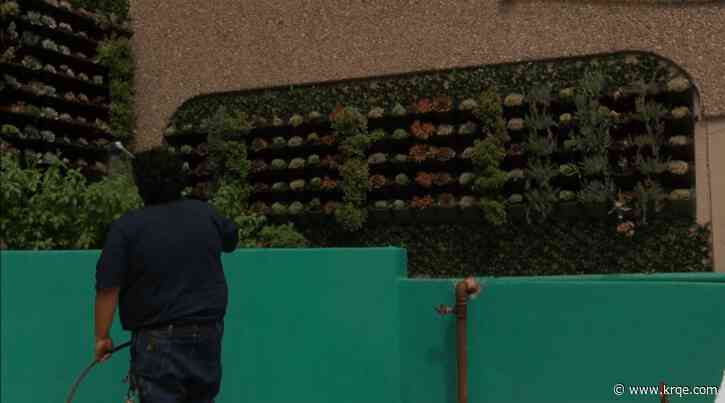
<point>443,141</point>
<point>682,208</point>
<point>681,127</point>
<point>314,219</point>
<point>596,211</point>
<point>518,136</point>
<point>567,157</point>
<point>515,111</point>
<point>404,216</point>
<point>570,210</point>
<point>626,181</point>
<point>462,142</point>
<point>448,215</point>
<point>516,186</point>
<point>467,165</point>
<point>516,213</point>
<point>681,152</point>
<point>379,216</point>
<point>385,147</point>
<point>512,162</point>
<point>442,117</point>
<point>672,181</point>
<point>683,98</point>
<point>426,216</point>
<point>471,215</point>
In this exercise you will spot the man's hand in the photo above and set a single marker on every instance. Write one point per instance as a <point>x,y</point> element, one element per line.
<point>103,349</point>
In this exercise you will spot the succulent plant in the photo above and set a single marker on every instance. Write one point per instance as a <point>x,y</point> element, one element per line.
<point>424,179</point>
<point>399,110</point>
<point>444,130</point>
<point>295,141</point>
<point>315,184</point>
<point>565,118</point>
<point>259,166</point>
<point>678,167</point>
<point>313,138</point>
<point>468,105</point>
<point>514,175</point>
<point>377,158</point>
<point>376,113</point>
<point>402,180</point>
<point>568,170</point>
<point>376,182</point>
<point>442,178</point>
<point>297,185</point>
<point>421,203</point>
<point>423,105</point>
<point>419,152</point>
<point>280,187</point>
<point>567,93</point>
<point>399,205</point>
<point>422,130</point>
<point>276,121</point>
<point>314,116</point>
<point>10,130</point>
<point>48,136</point>
<point>678,84</point>
<point>515,124</point>
<point>515,199</point>
<point>296,208</point>
<point>467,202</point>
<point>297,163</point>
<point>679,140</point>
<point>296,120</point>
<point>279,209</point>
<point>279,142</point>
<point>680,112</point>
<point>279,164</point>
<point>381,205</point>
<point>467,129</point>
<point>314,206</point>
<point>400,159</point>
<point>680,194</point>
<point>513,100</point>
<point>466,178</point>
<point>313,160</point>
<point>400,134</point>
<point>567,195</point>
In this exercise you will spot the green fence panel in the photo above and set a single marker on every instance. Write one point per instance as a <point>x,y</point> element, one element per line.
<point>302,326</point>
<point>542,340</point>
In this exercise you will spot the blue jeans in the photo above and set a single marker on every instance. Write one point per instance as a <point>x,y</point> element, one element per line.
<point>174,365</point>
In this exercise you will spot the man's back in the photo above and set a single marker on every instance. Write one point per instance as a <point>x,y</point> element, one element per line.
<point>166,259</point>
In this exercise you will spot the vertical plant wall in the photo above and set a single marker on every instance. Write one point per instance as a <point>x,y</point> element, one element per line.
<point>66,85</point>
<point>604,140</point>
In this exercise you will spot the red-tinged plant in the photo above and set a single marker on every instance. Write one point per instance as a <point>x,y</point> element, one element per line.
<point>421,202</point>
<point>338,108</point>
<point>515,149</point>
<point>377,182</point>
<point>419,152</point>
<point>330,207</point>
<point>424,179</point>
<point>424,105</point>
<point>442,178</point>
<point>259,144</point>
<point>259,166</point>
<point>446,200</point>
<point>261,187</point>
<point>442,103</point>
<point>202,150</point>
<point>328,184</point>
<point>260,208</point>
<point>329,162</point>
<point>422,130</point>
<point>328,140</point>
<point>444,154</point>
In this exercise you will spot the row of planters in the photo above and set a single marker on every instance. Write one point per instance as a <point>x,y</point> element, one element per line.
<point>30,134</point>
<point>76,103</point>
<point>49,117</point>
<point>66,71</point>
<point>48,51</point>
<point>447,110</point>
<point>62,16</point>
<point>93,168</point>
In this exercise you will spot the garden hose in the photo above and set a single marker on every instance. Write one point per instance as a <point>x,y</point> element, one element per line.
<point>85,372</point>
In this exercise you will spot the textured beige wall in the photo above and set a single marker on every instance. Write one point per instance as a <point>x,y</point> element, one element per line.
<point>716,140</point>
<point>186,48</point>
<point>190,47</point>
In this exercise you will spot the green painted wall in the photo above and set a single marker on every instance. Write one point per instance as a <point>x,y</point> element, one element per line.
<point>344,325</point>
<point>302,326</point>
<point>551,340</point>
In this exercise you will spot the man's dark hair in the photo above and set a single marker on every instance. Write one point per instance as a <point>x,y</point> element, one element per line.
<point>158,175</point>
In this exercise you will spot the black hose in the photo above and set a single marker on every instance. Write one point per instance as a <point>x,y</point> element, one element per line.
<point>85,372</point>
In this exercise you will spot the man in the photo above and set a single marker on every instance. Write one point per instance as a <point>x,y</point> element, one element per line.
<point>162,265</point>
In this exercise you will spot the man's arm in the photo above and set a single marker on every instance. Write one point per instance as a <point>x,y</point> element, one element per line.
<point>106,301</point>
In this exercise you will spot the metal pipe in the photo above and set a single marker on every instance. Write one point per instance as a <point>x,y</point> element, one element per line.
<point>464,289</point>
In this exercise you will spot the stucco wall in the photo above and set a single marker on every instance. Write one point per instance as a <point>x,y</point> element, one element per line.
<point>186,48</point>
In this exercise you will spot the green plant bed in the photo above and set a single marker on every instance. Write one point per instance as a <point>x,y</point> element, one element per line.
<point>556,247</point>
<point>684,126</point>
